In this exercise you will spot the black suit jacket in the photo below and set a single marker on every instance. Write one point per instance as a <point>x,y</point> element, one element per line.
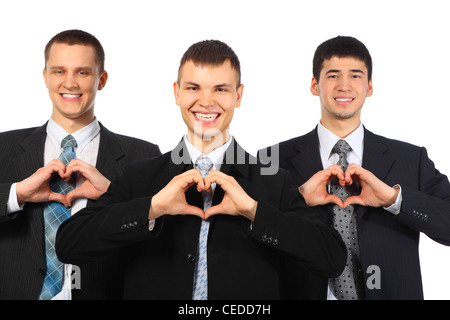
<point>390,242</point>
<point>22,249</point>
<point>245,261</point>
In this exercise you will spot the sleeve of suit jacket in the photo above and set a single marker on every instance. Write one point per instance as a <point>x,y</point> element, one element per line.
<point>115,221</point>
<point>426,208</point>
<point>296,229</point>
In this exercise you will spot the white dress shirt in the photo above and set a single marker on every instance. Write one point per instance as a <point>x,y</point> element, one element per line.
<point>216,156</point>
<point>327,140</point>
<point>88,141</point>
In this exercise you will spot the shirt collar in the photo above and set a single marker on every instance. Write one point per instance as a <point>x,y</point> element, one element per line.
<point>83,136</point>
<point>216,155</point>
<point>328,139</point>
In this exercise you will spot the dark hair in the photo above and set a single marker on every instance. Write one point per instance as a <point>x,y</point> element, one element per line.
<point>73,37</point>
<point>341,47</point>
<point>211,52</point>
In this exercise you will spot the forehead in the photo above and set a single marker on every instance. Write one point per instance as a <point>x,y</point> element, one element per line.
<point>207,73</point>
<point>343,64</point>
<point>65,54</point>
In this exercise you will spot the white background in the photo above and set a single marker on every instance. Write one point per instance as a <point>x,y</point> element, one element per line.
<point>275,41</point>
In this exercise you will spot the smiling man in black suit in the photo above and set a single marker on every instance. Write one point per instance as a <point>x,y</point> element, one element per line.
<point>74,73</point>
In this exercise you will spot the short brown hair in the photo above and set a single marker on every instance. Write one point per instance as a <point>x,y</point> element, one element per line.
<point>211,52</point>
<point>73,37</point>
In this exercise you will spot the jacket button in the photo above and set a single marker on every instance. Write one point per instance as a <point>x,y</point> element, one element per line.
<point>190,257</point>
<point>264,238</point>
<point>42,271</point>
<point>275,242</point>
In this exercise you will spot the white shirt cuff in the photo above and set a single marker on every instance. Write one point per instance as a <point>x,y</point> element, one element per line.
<point>151,225</point>
<point>395,207</point>
<point>13,206</point>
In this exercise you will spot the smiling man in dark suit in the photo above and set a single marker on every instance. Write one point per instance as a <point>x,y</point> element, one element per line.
<point>204,221</point>
<point>379,193</point>
<point>74,72</point>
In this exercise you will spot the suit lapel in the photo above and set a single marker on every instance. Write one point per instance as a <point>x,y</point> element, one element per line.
<point>32,157</point>
<point>307,160</point>
<point>236,163</point>
<point>377,159</point>
<point>181,162</point>
<point>110,154</point>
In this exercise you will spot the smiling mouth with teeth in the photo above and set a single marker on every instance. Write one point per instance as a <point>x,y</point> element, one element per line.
<point>70,96</point>
<point>206,117</point>
<point>344,99</point>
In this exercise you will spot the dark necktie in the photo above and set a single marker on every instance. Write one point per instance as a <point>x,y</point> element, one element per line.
<point>54,214</point>
<point>204,164</point>
<point>350,284</point>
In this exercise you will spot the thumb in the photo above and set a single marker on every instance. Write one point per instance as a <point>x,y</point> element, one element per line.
<point>334,199</point>
<point>74,194</point>
<point>354,200</point>
<point>211,211</point>
<point>54,196</point>
<point>195,211</point>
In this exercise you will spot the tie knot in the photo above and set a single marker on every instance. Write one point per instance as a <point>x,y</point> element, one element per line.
<point>204,164</point>
<point>69,141</point>
<point>341,147</point>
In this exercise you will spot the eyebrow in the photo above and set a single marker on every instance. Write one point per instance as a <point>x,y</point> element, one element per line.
<point>351,70</point>
<point>223,85</point>
<point>191,83</point>
<point>62,67</point>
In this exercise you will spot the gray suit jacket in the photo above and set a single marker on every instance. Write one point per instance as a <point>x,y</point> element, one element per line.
<point>22,250</point>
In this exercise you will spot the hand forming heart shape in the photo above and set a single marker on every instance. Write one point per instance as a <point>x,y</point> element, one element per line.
<point>171,200</point>
<point>36,187</point>
<point>374,192</point>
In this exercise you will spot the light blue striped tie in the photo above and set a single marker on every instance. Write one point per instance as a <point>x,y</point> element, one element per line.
<point>204,164</point>
<point>54,214</point>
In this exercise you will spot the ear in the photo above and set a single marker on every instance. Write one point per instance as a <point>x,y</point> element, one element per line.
<point>176,92</point>
<point>240,91</point>
<point>370,89</point>
<point>45,77</point>
<point>314,87</point>
<point>103,79</point>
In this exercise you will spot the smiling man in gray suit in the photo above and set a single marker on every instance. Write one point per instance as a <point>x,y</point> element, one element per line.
<point>73,73</point>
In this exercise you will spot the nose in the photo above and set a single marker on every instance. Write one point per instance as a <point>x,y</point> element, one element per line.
<point>343,84</point>
<point>70,82</point>
<point>205,98</point>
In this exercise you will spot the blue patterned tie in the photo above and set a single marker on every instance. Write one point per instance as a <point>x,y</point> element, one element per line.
<point>54,214</point>
<point>204,164</point>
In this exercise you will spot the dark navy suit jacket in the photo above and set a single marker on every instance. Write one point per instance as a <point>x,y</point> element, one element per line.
<point>389,242</point>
